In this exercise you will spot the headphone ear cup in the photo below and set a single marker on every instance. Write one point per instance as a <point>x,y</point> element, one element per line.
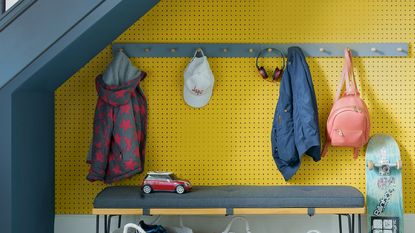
<point>277,74</point>
<point>263,72</point>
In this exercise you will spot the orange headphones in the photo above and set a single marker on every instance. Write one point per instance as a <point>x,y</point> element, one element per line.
<point>277,72</point>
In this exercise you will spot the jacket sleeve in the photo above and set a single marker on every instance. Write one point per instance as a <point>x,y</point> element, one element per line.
<point>101,142</point>
<point>307,134</point>
<point>282,136</point>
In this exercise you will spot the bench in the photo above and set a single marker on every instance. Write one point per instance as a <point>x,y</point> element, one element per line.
<point>232,200</point>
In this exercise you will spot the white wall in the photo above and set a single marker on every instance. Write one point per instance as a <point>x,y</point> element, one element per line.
<point>216,224</point>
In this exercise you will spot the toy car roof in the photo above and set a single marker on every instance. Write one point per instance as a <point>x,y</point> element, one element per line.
<point>159,173</point>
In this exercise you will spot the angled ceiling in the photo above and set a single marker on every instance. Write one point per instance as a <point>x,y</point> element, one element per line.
<point>65,34</point>
<point>41,49</point>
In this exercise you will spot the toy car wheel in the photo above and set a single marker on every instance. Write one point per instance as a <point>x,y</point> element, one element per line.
<point>179,189</point>
<point>147,189</point>
<point>399,165</point>
<point>370,165</point>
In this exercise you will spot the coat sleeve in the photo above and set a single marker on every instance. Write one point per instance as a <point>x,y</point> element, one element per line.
<point>101,141</point>
<point>307,134</point>
<point>282,136</point>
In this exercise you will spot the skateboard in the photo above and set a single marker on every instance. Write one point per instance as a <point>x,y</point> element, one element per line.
<point>384,185</point>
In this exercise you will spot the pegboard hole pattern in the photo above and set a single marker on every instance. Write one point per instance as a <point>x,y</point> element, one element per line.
<point>228,141</point>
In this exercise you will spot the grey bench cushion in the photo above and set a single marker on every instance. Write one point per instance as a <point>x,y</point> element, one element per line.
<point>233,197</point>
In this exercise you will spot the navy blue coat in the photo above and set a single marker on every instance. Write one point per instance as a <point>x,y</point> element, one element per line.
<point>295,129</point>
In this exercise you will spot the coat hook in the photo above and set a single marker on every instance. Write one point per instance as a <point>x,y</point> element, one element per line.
<point>225,50</point>
<point>399,49</point>
<point>120,50</point>
<point>199,50</point>
<point>373,49</point>
<point>146,50</point>
<point>251,50</point>
<point>322,50</point>
<point>269,50</point>
<point>173,50</point>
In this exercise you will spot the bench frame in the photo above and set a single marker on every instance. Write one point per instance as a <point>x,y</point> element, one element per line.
<point>350,213</point>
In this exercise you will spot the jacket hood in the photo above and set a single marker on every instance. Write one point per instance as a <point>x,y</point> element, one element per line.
<point>119,80</point>
<point>120,71</point>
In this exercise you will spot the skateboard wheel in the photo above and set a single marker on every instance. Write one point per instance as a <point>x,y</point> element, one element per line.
<point>399,164</point>
<point>370,164</point>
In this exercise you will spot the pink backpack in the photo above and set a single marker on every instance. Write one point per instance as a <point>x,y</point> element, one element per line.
<point>348,123</point>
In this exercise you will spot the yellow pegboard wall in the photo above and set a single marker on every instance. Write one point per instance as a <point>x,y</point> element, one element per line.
<point>228,141</point>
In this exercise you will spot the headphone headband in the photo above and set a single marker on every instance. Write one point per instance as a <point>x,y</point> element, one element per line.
<point>272,49</point>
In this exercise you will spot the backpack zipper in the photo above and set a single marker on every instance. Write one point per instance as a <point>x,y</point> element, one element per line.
<point>350,107</point>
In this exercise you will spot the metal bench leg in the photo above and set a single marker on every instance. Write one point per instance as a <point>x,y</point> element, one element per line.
<point>340,223</point>
<point>110,219</point>
<point>109,223</point>
<point>106,224</point>
<point>97,226</point>
<point>353,225</point>
<point>349,221</point>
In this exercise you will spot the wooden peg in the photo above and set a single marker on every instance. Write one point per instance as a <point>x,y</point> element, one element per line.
<point>146,50</point>
<point>269,50</point>
<point>322,50</point>
<point>399,49</point>
<point>251,50</point>
<point>173,50</point>
<point>225,50</point>
<point>373,49</point>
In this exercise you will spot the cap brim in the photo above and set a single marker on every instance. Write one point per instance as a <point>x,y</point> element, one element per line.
<point>196,101</point>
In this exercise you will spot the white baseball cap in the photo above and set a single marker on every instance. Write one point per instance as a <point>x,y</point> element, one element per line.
<point>198,81</point>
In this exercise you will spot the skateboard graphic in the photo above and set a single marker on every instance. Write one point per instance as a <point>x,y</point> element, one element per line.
<point>384,185</point>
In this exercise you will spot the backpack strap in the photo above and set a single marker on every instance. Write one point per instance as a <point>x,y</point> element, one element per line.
<point>325,149</point>
<point>355,153</point>
<point>351,87</point>
<point>347,77</point>
<point>339,87</point>
<point>326,145</point>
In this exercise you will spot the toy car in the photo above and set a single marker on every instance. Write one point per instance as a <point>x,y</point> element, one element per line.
<point>164,181</point>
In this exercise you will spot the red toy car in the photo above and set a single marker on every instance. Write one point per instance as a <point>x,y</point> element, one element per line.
<point>164,181</point>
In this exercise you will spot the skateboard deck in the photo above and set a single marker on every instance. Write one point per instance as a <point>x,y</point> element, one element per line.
<point>384,185</point>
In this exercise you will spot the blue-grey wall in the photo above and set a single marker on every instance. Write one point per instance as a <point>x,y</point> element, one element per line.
<point>35,30</point>
<point>41,49</point>
<point>6,160</point>
<point>33,161</point>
